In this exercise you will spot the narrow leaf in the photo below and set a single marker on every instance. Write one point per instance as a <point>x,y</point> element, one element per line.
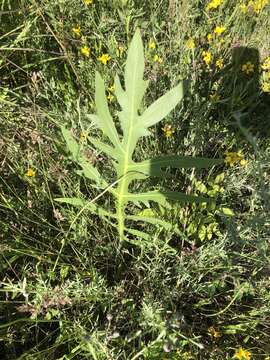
<point>104,121</point>
<point>105,148</point>
<point>154,221</point>
<point>162,107</point>
<point>134,84</point>
<point>161,197</point>
<point>82,203</point>
<point>153,167</point>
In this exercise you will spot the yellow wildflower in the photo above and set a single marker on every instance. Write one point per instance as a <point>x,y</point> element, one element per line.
<point>152,45</point>
<point>77,31</point>
<point>259,5</point>
<point>214,97</point>
<point>244,8</point>
<point>253,6</point>
<point>88,2</point>
<point>111,88</point>
<point>190,44</point>
<point>232,158</point>
<point>110,97</point>
<point>83,136</point>
<point>219,30</point>
<point>119,51</point>
<point>219,63</point>
<point>168,130</point>
<point>248,68</point>
<point>265,87</point>
<point>157,59</point>
<point>85,51</point>
<point>213,332</point>
<point>207,57</point>
<point>214,4</point>
<point>209,38</point>
<point>30,173</point>
<point>266,64</point>
<point>104,58</point>
<point>242,354</point>
<point>221,41</point>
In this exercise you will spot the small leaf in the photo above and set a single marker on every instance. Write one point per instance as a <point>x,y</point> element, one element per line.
<point>191,229</point>
<point>219,178</point>
<point>147,213</point>
<point>201,187</point>
<point>202,232</point>
<point>228,212</point>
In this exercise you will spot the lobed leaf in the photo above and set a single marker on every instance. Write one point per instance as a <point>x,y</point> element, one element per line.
<point>162,107</point>
<point>134,70</point>
<point>89,171</point>
<point>105,148</point>
<point>82,203</point>
<point>153,167</point>
<point>104,119</point>
<point>162,197</point>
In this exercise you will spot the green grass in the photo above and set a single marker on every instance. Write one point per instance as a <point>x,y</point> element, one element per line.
<point>67,291</point>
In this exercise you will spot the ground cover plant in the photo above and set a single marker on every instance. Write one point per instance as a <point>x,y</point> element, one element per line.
<point>86,274</point>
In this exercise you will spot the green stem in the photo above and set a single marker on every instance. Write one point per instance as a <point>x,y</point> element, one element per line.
<point>121,190</point>
<point>120,208</point>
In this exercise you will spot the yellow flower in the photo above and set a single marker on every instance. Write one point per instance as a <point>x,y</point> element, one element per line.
<point>221,41</point>
<point>190,44</point>
<point>77,31</point>
<point>265,87</point>
<point>30,173</point>
<point>253,6</point>
<point>157,59</point>
<point>248,68</point>
<point>88,2</point>
<point>110,97</point>
<point>209,38</point>
<point>85,51</point>
<point>83,136</point>
<point>244,8</point>
<point>104,58</point>
<point>214,97</point>
<point>219,30</point>
<point>152,45</point>
<point>111,88</point>
<point>207,57</point>
<point>214,4</point>
<point>259,5</point>
<point>242,354</point>
<point>168,130</point>
<point>267,75</point>
<point>266,64</point>
<point>213,332</point>
<point>243,162</point>
<point>219,63</point>
<point>119,51</point>
<point>232,158</point>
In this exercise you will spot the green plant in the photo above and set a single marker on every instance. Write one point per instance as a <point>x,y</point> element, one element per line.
<point>202,221</point>
<point>134,125</point>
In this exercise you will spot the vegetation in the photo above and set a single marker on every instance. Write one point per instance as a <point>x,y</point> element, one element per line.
<point>131,230</point>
